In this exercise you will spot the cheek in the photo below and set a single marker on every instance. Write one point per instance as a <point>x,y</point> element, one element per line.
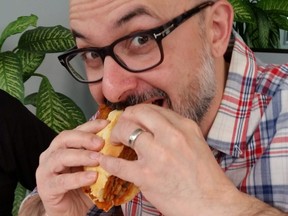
<point>96,92</point>
<point>179,72</point>
<point>181,67</point>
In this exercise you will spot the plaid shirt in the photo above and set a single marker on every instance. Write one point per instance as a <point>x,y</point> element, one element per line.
<point>253,150</point>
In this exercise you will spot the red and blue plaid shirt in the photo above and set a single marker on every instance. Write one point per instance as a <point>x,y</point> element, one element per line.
<point>250,133</point>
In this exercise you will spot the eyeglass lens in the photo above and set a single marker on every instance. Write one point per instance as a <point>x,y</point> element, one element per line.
<point>134,53</point>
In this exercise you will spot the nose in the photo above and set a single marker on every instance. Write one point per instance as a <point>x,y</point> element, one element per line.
<point>117,83</point>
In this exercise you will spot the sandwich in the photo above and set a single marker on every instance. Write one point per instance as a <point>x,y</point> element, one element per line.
<point>109,190</point>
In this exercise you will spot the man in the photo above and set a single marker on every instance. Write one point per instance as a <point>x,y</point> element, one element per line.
<point>213,124</point>
<point>23,138</point>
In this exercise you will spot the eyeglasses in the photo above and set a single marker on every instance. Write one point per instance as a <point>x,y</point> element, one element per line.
<point>135,53</point>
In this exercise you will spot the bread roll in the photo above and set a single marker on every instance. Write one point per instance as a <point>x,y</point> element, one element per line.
<point>108,190</point>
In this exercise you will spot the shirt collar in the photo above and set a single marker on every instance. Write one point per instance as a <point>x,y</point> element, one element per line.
<point>228,133</point>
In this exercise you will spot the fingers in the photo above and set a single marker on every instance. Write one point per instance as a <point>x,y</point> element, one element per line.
<point>84,136</point>
<point>81,143</point>
<point>121,168</point>
<point>155,121</point>
<point>66,158</point>
<point>154,117</point>
<point>60,166</point>
<point>60,184</point>
<point>93,126</point>
<point>65,165</point>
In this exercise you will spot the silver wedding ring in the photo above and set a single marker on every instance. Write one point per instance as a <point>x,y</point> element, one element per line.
<point>134,136</point>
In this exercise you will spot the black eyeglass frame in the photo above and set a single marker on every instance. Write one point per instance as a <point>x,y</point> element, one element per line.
<point>158,33</point>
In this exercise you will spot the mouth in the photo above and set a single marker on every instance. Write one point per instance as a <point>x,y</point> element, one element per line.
<point>158,102</point>
<point>161,101</point>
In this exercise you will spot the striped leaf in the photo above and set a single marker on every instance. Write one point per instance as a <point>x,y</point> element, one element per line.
<point>279,7</point>
<point>18,26</point>
<point>47,40</point>
<point>77,115</point>
<point>20,193</point>
<point>31,99</point>
<point>282,22</point>
<point>30,62</point>
<point>11,75</point>
<point>242,11</point>
<point>263,35</point>
<point>263,28</point>
<point>51,110</point>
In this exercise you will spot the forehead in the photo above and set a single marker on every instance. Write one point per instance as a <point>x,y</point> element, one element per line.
<point>105,15</point>
<point>104,5</point>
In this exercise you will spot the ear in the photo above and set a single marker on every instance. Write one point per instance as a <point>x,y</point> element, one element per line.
<point>220,26</point>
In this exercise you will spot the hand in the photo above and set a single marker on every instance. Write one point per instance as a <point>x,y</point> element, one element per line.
<point>175,170</point>
<point>60,175</point>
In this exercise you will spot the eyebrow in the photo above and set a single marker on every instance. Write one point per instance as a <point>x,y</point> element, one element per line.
<point>124,19</point>
<point>130,15</point>
<point>77,34</point>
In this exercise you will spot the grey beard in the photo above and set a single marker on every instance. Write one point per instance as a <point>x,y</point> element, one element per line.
<point>196,102</point>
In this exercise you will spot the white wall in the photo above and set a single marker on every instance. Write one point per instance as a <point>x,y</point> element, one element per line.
<point>50,13</point>
<point>274,58</point>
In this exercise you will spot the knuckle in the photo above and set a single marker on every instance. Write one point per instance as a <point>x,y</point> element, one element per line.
<point>62,134</point>
<point>112,165</point>
<point>60,181</point>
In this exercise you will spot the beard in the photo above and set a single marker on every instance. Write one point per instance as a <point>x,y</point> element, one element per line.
<point>193,100</point>
<point>196,98</point>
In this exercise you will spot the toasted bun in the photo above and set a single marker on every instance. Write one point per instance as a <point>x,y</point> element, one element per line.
<point>108,190</point>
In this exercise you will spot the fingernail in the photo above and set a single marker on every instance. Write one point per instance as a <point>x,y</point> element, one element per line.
<point>94,155</point>
<point>91,175</point>
<point>98,141</point>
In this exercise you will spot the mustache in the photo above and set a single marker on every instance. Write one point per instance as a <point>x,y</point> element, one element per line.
<point>138,98</point>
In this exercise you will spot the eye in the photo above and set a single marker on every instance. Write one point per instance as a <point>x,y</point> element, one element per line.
<point>92,59</point>
<point>138,44</point>
<point>90,55</point>
<point>140,40</point>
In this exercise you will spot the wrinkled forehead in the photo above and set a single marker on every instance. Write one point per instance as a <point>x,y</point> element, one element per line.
<point>84,8</point>
<point>95,18</point>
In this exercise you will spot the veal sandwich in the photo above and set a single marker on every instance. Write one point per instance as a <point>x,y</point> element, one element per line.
<point>108,190</point>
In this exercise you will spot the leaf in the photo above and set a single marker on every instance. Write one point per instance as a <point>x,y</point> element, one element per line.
<point>31,100</point>
<point>279,7</point>
<point>263,28</point>
<point>18,26</point>
<point>51,110</point>
<point>11,75</point>
<point>30,62</point>
<point>280,21</point>
<point>274,38</point>
<point>73,109</point>
<point>20,194</point>
<point>47,40</point>
<point>274,34</point>
<point>242,11</point>
<point>263,35</point>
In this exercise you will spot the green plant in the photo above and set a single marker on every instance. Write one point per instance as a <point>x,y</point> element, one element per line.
<point>20,64</point>
<point>259,21</point>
